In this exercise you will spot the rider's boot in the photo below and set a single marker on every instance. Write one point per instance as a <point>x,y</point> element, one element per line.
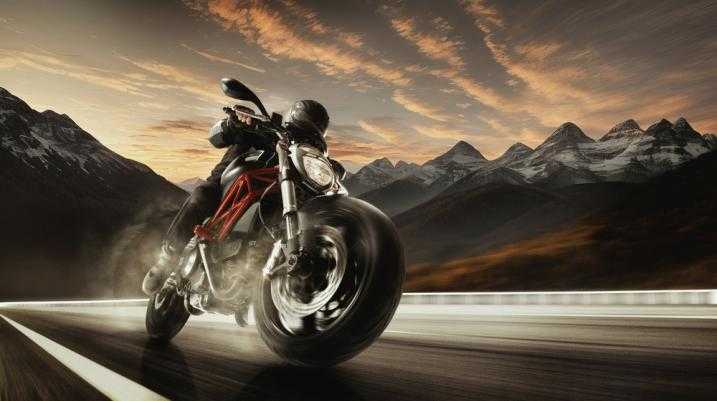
<point>158,273</point>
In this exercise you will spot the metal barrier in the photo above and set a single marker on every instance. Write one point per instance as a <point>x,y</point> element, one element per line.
<point>655,297</point>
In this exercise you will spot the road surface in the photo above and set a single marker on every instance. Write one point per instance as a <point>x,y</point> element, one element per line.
<point>427,353</point>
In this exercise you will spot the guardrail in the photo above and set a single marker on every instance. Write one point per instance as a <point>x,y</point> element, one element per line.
<point>655,297</point>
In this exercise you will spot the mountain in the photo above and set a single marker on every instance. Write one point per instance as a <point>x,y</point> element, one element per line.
<point>711,140</point>
<point>446,169</point>
<point>190,183</point>
<point>517,151</point>
<point>625,153</point>
<point>399,195</point>
<point>626,129</point>
<point>453,225</point>
<point>462,153</point>
<point>437,174</point>
<point>486,176</point>
<point>656,234</point>
<point>397,188</point>
<point>66,196</point>
<point>563,146</point>
<point>662,147</point>
<point>684,130</point>
<point>373,175</point>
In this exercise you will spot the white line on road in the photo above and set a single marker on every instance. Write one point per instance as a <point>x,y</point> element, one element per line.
<point>109,383</point>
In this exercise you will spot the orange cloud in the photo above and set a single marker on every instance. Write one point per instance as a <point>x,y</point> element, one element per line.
<point>481,10</point>
<point>435,47</point>
<point>411,104</point>
<point>386,128</point>
<point>440,48</point>
<point>312,21</point>
<point>179,79</point>
<point>269,30</point>
<point>442,132</point>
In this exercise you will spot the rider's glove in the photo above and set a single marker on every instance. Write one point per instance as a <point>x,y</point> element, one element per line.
<point>231,130</point>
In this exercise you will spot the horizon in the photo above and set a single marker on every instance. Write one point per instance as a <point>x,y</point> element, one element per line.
<point>354,167</point>
<point>404,82</point>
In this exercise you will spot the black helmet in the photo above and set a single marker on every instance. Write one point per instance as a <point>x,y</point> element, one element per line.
<point>308,116</point>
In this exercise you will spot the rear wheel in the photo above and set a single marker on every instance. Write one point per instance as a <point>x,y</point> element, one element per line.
<point>336,308</point>
<point>166,314</point>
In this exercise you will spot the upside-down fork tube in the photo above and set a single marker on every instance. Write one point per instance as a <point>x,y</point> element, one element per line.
<point>288,199</point>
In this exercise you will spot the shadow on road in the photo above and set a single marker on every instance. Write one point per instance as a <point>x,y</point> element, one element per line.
<point>298,384</point>
<point>164,370</point>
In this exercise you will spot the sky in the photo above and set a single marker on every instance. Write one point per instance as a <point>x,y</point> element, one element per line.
<point>400,79</point>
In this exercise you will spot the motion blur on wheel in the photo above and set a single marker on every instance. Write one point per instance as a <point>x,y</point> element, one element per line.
<point>324,271</point>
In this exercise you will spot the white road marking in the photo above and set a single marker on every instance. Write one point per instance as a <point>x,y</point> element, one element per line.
<point>109,383</point>
<point>99,302</point>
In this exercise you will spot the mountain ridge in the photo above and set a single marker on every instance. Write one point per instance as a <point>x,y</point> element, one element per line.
<point>68,198</point>
<point>567,156</point>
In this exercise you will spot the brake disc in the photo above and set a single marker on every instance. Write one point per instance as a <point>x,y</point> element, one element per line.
<point>293,304</point>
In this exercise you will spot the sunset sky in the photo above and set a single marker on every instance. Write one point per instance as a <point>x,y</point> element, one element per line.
<point>402,79</point>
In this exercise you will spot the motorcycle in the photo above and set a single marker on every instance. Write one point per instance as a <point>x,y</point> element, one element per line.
<point>323,271</point>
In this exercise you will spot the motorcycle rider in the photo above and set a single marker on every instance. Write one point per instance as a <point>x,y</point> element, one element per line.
<point>304,118</point>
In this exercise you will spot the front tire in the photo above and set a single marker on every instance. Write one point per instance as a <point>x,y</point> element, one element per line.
<point>375,269</point>
<point>166,315</point>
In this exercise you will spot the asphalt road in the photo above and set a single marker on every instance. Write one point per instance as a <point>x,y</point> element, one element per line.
<point>426,354</point>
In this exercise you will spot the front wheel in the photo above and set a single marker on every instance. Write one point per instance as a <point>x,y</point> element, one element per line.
<point>337,307</point>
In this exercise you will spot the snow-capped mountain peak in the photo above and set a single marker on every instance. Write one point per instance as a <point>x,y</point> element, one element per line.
<point>627,128</point>
<point>661,125</point>
<point>515,152</point>
<point>517,149</point>
<point>461,153</point>
<point>383,164</point>
<point>711,140</point>
<point>49,140</point>
<point>682,124</point>
<point>567,134</point>
<point>626,125</point>
<point>568,156</point>
<point>466,149</point>
<point>60,160</point>
<point>685,131</point>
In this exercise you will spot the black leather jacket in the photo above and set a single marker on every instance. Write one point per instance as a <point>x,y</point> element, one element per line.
<point>238,139</point>
<point>226,133</point>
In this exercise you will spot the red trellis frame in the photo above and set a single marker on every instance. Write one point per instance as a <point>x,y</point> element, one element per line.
<point>246,189</point>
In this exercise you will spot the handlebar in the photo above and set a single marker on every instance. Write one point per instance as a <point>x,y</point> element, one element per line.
<point>264,121</point>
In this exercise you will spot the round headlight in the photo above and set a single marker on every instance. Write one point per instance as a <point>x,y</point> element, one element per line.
<point>318,170</point>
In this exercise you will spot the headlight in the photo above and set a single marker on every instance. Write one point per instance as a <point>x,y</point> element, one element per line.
<point>318,170</point>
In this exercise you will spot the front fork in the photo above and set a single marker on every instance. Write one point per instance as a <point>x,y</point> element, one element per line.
<point>288,200</point>
<point>285,253</point>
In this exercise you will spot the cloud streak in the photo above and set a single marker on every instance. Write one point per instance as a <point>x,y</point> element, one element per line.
<point>270,30</point>
<point>410,103</point>
<point>220,59</point>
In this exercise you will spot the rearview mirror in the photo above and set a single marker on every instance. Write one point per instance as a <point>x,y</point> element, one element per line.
<point>237,90</point>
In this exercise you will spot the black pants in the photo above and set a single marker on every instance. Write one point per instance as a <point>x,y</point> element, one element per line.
<point>201,204</point>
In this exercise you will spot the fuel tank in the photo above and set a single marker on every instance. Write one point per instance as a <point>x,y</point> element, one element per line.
<point>250,160</point>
